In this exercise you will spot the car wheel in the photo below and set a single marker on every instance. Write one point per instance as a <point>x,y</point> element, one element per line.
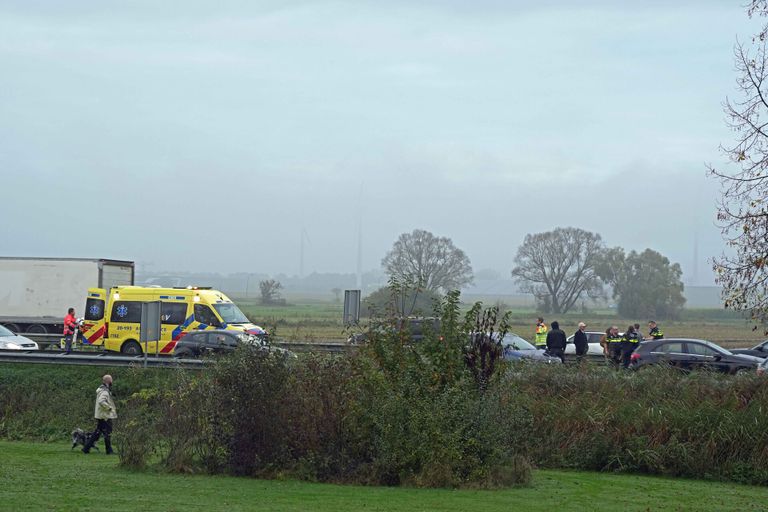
<point>184,353</point>
<point>131,348</point>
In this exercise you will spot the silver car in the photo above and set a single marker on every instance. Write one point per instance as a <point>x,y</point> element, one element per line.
<point>11,341</point>
<point>593,343</point>
<point>762,368</point>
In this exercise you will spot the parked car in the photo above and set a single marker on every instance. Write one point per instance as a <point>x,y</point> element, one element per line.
<point>517,349</point>
<point>760,350</point>
<point>217,341</point>
<point>416,329</point>
<point>691,354</point>
<point>593,340</point>
<point>12,341</point>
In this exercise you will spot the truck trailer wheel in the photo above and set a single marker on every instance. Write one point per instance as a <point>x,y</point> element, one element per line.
<point>37,329</point>
<point>13,328</point>
<point>131,348</point>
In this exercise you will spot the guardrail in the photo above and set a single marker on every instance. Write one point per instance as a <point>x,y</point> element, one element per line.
<point>101,359</point>
<point>47,341</point>
<point>98,357</point>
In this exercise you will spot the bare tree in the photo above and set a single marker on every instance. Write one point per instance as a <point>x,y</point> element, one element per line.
<point>558,267</point>
<point>427,261</point>
<point>270,291</point>
<point>743,205</point>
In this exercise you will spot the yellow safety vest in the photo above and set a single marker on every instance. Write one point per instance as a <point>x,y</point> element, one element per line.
<point>541,336</point>
<point>634,339</point>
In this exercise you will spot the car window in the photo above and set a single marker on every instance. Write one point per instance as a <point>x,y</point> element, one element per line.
<point>126,311</point>
<point>94,309</point>
<point>205,315</point>
<point>594,337</point>
<point>700,349</point>
<point>515,342</point>
<point>423,326</point>
<point>221,339</point>
<point>196,337</point>
<point>670,348</point>
<point>173,313</point>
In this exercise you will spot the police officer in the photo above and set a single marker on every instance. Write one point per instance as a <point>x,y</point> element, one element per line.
<point>541,335</point>
<point>614,343</point>
<point>654,333</point>
<point>628,345</point>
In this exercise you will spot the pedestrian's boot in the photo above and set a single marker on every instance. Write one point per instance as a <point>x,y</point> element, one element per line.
<point>108,445</point>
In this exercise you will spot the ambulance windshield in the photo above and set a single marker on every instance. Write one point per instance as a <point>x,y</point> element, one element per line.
<point>230,313</point>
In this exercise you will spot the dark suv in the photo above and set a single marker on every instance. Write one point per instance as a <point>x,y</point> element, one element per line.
<point>689,354</point>
<point>415,328</point>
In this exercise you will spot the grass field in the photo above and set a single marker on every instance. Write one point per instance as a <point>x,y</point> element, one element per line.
<point>51,477</point>
<point>314,320</point>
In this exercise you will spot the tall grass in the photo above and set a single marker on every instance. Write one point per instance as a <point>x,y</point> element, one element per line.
<point>658,421</point>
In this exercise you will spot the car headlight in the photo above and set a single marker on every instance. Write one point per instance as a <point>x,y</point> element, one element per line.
<point>12,346</point>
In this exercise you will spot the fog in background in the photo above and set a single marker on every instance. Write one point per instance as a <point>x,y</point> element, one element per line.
<point>205,136</point>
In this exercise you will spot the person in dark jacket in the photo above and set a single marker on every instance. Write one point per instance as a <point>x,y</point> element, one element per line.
<point>580,341</point>
<point>628,345</point>
<point>556,342</point>
<point>614,343</point>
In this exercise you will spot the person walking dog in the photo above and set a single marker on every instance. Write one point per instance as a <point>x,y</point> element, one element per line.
<point>104,413</point>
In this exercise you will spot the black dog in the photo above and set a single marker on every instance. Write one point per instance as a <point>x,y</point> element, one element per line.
<point>79,436</point>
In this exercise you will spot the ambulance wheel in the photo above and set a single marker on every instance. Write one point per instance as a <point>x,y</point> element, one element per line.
<point>131,348</point>
<point>37,329</point>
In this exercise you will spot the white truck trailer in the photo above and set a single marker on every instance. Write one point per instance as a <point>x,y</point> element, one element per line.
<point>35,293</point>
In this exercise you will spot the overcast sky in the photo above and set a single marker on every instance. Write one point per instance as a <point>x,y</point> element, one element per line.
<point>204,136</point>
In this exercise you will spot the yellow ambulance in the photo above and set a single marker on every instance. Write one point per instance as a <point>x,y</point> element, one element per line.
<point>112,318</point>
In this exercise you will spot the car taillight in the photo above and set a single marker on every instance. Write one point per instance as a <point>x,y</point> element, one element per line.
<point>634,357</point>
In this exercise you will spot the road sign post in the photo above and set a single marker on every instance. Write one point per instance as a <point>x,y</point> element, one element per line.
<point>351,307</point>
<point>150,327</point>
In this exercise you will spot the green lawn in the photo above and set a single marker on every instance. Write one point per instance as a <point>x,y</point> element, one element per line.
<point>51,477</point>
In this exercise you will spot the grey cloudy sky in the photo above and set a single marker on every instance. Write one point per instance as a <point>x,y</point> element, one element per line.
<point>145,130</point>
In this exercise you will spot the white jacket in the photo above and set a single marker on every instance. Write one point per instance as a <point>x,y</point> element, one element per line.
<point>105,405</point>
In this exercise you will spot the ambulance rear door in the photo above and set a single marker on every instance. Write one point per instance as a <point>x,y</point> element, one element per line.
<point>94,325</point>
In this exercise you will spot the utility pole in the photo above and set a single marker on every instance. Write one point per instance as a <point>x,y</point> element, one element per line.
<point>359,280</point>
